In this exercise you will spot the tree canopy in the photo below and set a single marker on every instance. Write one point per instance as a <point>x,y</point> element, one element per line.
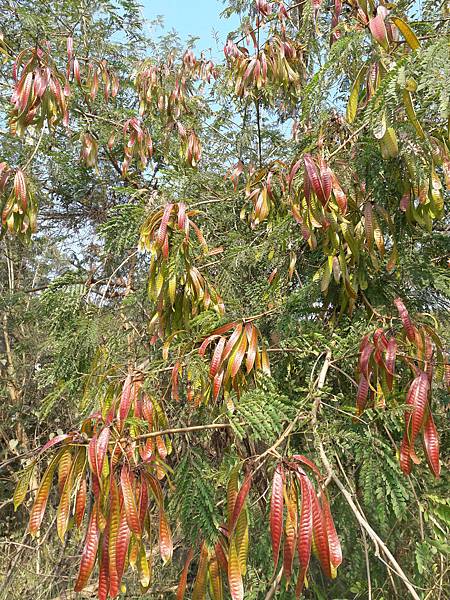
<point>225,303</point>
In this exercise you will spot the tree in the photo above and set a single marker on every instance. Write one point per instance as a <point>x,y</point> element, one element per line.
<point>225,300</point>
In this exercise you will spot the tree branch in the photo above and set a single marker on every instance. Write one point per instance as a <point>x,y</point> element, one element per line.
<point>364,524</point>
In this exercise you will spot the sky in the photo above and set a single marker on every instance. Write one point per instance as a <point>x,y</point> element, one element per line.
<point>199,18</point>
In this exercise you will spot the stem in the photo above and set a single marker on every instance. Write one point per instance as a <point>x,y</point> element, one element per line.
<point>153,434</point>
<point>129,257</point>
<point>258,125</point>
<point>370,307</point>
<point>275,583</point>
<point>364,524</point>
<point>366,555</point>
<point>260,22</point>
<point>35,149</point>
<point>320,384</point>
<point>422,529</point>
<point>349,139</point>
<point>258,116</point>
<point>260,315</point>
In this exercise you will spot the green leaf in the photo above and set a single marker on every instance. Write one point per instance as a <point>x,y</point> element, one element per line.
<point>407,33</point>
<point>22,485</point>
<point>352,105</point>
<point>409,107</point>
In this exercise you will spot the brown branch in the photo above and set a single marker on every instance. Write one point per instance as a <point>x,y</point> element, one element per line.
<point>370,307</point>
<point>320,383</point>
<point>97,117</point>
<point>379,543</point>
<point>11,379</point>
<point>349,139</point>
<point>262,22</point>
<point>153,434</point>
<point>35,149</point>
<point>260,315</point>
<point>366,556</point>
<point>274,586</point>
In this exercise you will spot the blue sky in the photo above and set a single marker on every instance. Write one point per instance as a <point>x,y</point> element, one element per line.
<point>199,18</point>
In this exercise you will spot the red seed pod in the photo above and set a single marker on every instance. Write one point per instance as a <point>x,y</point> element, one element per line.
<point>406,320</point>
<point>431,444</point>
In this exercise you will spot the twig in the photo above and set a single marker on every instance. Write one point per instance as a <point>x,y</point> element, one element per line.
<point>343,412</point>
<point>363,523</point>
<point>258,126</point>
<point>10,542</point>
<point>260,315</point>
<point>349,139</point>
<point>289,8</point>
<point>421,527</point>
<point>333,366</point>
<point>11,567</point>
<point>275,583</point>
<point>366,555</point>
<point>143,436</point>
<point>153,434</point>
<point>114,272</point>
<point>370,307</point>
<point>8,461</point>
<point>35,149</point>
<point>98,117</point>
<point>320,384</point>
<point>210,201</point>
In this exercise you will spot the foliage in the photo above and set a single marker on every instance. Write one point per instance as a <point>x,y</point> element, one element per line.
<point>203,266</point>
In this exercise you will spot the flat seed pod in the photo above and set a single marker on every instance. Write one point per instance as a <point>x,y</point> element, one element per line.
<point>129,499</point>
<point>122,543</point>
<point>235,583</point>
<point>199,589</point>
<point>103,571</point>
<point>333,540</point>
<point>431,444</point>
<point>276,511</point>
<point>406,320</point>
<point>89,551</point>
<point>23,484</point>
<point>320,534</point>
<point>114,523</point>
<point>40,502</point>
<point>182,584</point>
<point>239,502</point>
<point>165,537</point>
<point>215,578</point>
<point>290,531</point>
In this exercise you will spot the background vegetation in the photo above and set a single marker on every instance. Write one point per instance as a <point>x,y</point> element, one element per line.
<point>321,191</point>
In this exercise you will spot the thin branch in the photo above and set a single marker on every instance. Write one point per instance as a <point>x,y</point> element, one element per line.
<point>421,526</point>
<point>274,586</point>
<point>96,117</point>
<point>262,22</point>
<point>370,307</point>
<point>143,436</point>
<point>258,126</point>
<point>366,556</point>
<point>153,434</point>
<point>114,272</point>
<point>336,368</point>
<point>363,522</point>
<point>260,315</point>
<point>35,149</point>
<point>320,384</point>
<point>349,139</point>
